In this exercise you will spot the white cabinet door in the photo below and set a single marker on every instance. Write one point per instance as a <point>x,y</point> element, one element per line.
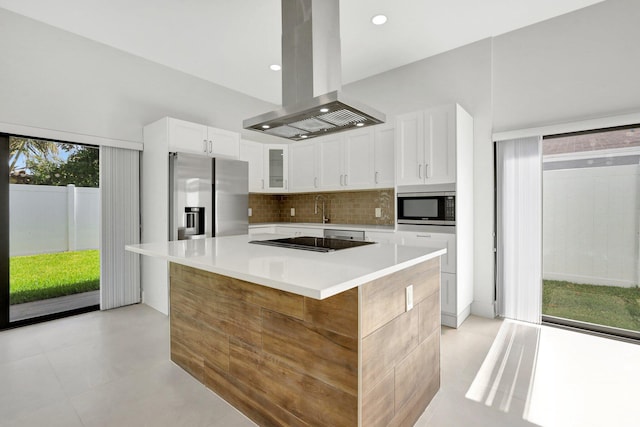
<point>358,159</point>
<point>410,148</point>
<point>253,152</point>
<point>440,145</point>
<point>434,240</point>
<point>384,156</point>
<point>330,170</point>
<point>223,143</point>
<point>276,168</point>
<point>187,137</point>
<point>448,294</point>
<point>302,166</point>
<point>380,237</point>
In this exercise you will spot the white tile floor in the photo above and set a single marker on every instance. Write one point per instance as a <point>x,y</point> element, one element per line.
<point>113,369</point>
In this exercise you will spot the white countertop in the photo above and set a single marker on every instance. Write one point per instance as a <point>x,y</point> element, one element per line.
<point>312,274</point>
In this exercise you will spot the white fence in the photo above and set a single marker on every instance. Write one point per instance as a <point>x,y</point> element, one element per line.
<point>590,222</point>
<point>45,219</point>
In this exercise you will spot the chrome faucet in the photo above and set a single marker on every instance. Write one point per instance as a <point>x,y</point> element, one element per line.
<point>315,210</point>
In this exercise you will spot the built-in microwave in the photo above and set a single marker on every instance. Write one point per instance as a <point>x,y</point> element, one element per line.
<point>427,208</point>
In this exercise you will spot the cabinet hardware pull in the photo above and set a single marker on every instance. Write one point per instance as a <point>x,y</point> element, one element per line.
<point>285,184</point>
<point>315,182</point>
<point>419,171</point>
<point>346,180</point>
<point>204,145</point>
<point>341,178</point>
<point>426,170</point>
<point>376,178</point>
<point>210,146</point>
<point>262,183</point>
<point>423,235</point>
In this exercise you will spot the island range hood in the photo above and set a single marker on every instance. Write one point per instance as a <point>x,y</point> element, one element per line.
<point>312,103</point>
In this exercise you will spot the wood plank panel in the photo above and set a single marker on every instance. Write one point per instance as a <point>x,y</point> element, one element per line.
<point>338,313</point>
<point>384,299</point>
<point>187,360</point>
<point>384,348</point>
<point>378,405</point>
<point>429,310</point>
<point>300,394</point>
<point>251,402</point>
<point>416,370</point>
<point>322,354</point>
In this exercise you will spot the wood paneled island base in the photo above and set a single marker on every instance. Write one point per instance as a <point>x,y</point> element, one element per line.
<point>355,359</point>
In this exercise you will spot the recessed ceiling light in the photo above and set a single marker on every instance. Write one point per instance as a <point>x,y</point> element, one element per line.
<point>265,126</point>
<point>379,19</point>
<point>275,67</point>
<point>359,124</point>
<point>303,136</point>
<point>324,110</point>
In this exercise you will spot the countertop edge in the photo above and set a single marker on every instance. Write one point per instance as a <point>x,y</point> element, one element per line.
<point>287,287</point>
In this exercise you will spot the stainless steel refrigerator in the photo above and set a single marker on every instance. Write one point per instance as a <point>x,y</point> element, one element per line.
<point>207,197</point>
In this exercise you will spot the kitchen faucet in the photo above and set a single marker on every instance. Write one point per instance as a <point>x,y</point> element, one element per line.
<point>315,211</point>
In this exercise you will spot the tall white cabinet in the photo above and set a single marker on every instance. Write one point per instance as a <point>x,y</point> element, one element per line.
<point>434,152</point>
<point>160,138</point>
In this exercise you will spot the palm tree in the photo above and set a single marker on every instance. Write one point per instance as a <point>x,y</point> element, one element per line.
<point>31,149</point>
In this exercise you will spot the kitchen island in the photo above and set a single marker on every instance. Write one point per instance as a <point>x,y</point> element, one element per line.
<point>292,337</point>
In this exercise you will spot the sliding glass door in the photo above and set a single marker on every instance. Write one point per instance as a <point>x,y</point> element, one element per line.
<point>591,234</point>
<point>52,228</point>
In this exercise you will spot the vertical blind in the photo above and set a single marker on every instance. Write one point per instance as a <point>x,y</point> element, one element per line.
<point>120,218</point>
<point>519,214</point>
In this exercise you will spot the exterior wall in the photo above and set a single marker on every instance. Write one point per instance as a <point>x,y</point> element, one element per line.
<point>45,219</point>
<point>590,225</point>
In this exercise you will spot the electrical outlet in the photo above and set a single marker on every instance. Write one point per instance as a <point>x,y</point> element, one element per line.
<point>409,295</point>
<point>293,211</point>
<point>378,212</point>
<point>249,212</point>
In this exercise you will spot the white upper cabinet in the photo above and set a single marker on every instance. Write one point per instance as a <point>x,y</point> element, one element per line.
<point>331,174</point>
<point>348,161</point>
<point>276,168</point>
<point>253,153</point>
<point>303,175</point>
<point>426,146</point>
<point>188,137</point>
<point>384,156</point>
<point>358,159</point>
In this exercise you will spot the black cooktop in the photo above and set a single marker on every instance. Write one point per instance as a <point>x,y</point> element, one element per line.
<point>317,244</point>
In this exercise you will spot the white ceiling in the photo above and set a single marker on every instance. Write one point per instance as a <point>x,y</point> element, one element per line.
<point>233,42</point>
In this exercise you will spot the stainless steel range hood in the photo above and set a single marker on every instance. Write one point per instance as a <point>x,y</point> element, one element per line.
<point>311,77</point>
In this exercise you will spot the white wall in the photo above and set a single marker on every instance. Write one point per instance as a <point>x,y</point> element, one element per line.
<point>53,79</point>
<point>45,219</point>
<point>590,225</point>
<point>574,67</point>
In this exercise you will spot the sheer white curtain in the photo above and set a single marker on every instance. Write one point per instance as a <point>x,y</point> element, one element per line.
<point>519,269</point>
<point>120,226</point>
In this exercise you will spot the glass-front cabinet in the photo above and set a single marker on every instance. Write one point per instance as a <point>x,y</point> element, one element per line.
<point>276,168</point>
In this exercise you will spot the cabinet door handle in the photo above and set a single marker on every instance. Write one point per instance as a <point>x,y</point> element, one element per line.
<point>262,183</point>
<point>426,170</point>
<point>285,184</point>
<point>419,171</point>
<point>315,182</point>
<point>204,145</point>
<point>423,235</point>
<point>346,180</point>
<point>341,180</point>
<point>210,146</point>
<point>376,178</point>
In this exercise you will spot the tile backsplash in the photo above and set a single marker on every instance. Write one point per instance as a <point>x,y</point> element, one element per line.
<point>341,207</point>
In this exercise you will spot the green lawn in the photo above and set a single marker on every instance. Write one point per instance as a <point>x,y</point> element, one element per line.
<point>604,305</point>
<point>37,277</point>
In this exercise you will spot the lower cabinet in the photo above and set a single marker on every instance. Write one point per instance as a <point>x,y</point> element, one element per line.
<point>300,231</point>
